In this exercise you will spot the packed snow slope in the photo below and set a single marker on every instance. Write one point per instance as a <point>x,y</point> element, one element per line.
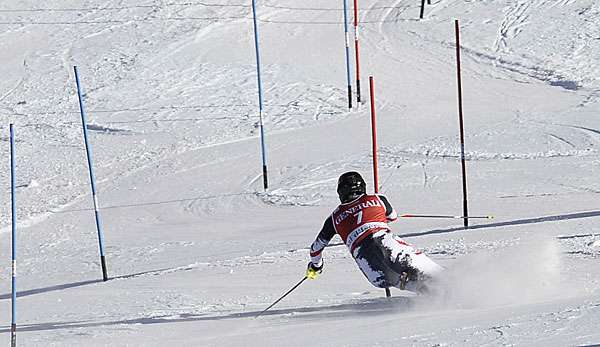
<point>196,248</point>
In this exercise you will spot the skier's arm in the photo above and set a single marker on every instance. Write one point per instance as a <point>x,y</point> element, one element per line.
<point>390,212</point>
<point>325,235</point>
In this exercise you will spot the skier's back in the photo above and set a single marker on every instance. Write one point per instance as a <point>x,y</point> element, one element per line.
<point>362,220</point>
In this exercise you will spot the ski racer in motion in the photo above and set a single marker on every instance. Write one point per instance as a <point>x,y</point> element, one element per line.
<point>362,220</point>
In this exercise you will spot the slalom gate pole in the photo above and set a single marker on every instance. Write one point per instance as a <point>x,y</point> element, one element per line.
<point>281,298</point>
<point>444,216</point>
<point>422,9</point>
<point>374,135</point>
<point>347,39</point>
<point>460,120</point>
<point>260,100</point>
<point>92,179</point>
<point>356,51</point>
<point>13,325</point>
<point>374,141</point>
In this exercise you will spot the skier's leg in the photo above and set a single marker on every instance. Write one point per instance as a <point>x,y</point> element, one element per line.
<point>396,257</point>
<point>401,253</point>
<point>374,264</point>
<point>385,260</point>
<point>413,267</point>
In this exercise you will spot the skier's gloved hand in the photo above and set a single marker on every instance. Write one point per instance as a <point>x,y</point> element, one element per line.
<point>313,270</point>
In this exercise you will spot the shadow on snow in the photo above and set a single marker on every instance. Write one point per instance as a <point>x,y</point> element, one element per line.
<point>559,217</point>
<point>78,284</point>
<point>369,307</point>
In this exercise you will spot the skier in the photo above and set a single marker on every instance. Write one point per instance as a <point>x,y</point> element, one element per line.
<point>362,220</point>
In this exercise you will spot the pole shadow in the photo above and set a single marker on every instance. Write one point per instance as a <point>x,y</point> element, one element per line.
<point>553,218</point>
<point>369,307</point>
<point>65,286</point>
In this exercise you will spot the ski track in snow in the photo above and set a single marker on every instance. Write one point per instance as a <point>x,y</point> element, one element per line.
<point>515,17</point>
<point>581,246</point>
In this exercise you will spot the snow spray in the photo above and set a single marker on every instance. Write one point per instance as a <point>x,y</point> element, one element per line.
<point>515,274</point>
<point>92,179</point>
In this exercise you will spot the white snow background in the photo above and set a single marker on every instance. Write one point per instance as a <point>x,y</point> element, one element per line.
<point>195,248</point>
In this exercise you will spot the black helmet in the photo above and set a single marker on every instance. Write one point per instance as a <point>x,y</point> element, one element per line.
<point>350,186</point>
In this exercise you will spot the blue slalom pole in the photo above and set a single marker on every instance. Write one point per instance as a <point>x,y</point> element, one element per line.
<point>13,325</point>
<point>347,53</point>
<point>92,180</point>
<point>260,100</point>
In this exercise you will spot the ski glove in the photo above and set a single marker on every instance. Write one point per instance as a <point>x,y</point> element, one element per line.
<point>313,270</point>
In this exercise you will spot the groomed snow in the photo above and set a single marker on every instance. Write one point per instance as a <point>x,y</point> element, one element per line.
<point>195,248</point>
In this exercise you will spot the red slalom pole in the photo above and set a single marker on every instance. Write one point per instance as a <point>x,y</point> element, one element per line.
<point>356,50</point>
<point>374,137</point>
<point>460,119</point>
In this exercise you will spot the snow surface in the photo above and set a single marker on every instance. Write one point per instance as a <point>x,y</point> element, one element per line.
<point>196,248</point>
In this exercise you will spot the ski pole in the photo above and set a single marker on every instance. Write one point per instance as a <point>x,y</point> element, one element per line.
<point>283,296</point>
<point>444,216</point>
